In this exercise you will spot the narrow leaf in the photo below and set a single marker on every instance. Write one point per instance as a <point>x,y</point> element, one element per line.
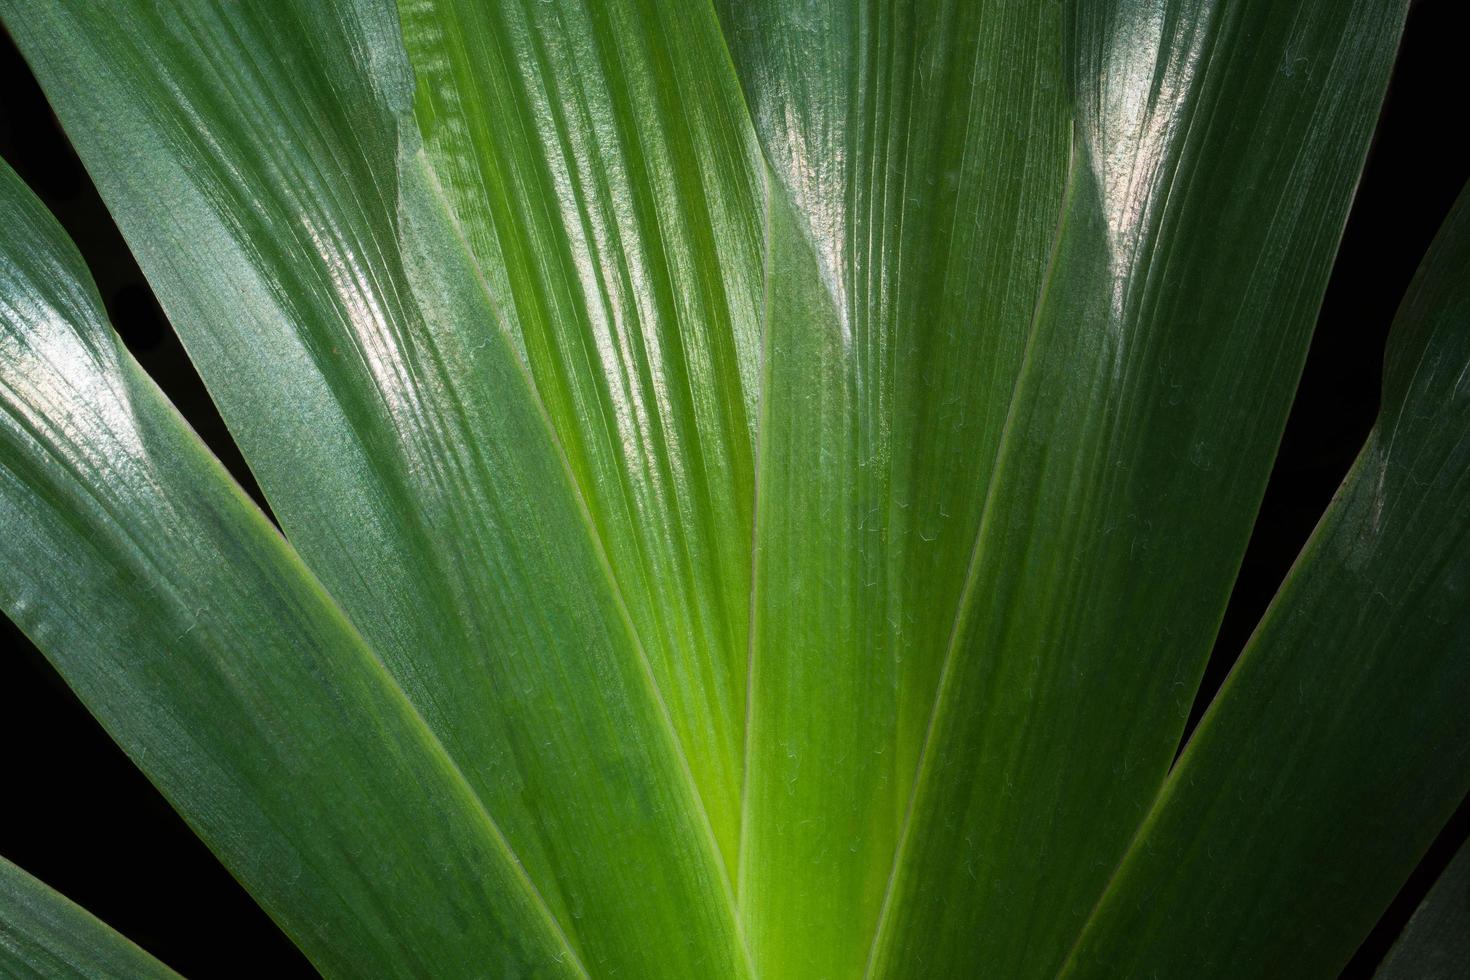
<point>43,934</point>
<point>918,154</point>
<point>1049,279</point>
<point>263,164</point>
<point>1216,150</point>
<point>599,161</point>
<point>191,630</point>
<point>1340,744</point>
<point>1435,945</point>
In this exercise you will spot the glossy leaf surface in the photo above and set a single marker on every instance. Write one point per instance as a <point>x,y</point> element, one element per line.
<point>917,161</point>
<point>598,161</point>
<point>1340,743</point>
<point>306,259</point>
<point>44,934</point>
<point>1049,275</point>
<point>194,634</point>
<point>790,456</point>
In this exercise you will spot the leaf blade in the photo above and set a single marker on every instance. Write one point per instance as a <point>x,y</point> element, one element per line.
<point>263,165</point>
<point>917,155</point>
<point>1119,515</point>
<point>1435,944</point>
<point>1047,626</point>
<point>1342,726</point>
<point>186,624</point>
<point>601,173</point>
<point>43,933</point>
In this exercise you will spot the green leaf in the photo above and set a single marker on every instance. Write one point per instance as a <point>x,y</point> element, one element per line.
<point>599,162</point>
<point>1043,278</point>
<point>191,630</point>
<point>263,166</point>
<point>1339,745</point>
<point>790,456</point>
<point>917,157</point>
<point>44,934</point>
<point>1216,151</point>
<point>1435,945</point>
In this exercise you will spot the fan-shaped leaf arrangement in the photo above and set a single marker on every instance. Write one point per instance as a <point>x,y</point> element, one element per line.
<point>759,482</point>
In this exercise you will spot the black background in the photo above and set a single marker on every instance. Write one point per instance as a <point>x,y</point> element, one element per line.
<point>76,813</point>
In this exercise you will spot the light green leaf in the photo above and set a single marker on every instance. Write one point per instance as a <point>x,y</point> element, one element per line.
<point>261,162</point>
<point>918,157</point>
<point>790,456</point>
<point>1339,745</point>
<point>194,634</point>
<point>43,934</point>
<point>1435,945</point>
<point>1043,277</point>
<point>600,163</point>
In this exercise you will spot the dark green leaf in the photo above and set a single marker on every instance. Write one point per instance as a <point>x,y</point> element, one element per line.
<point>792,455</point>
<point>42,934</point>
<point>263,165</point>
<point>194,634</point>
<point>1340,744</point>
<point>1435,945</point>
<point>1010,459</point>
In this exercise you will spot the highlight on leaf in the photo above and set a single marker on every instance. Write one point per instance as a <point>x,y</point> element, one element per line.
<point>758,483</point>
